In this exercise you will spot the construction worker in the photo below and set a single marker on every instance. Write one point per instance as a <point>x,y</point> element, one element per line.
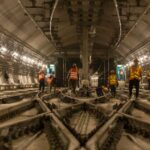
<point>113,82</point>
<point>148,78</point>
<point>73,77</point>
<point>41,79</point>
<point>49,82</point>
<point>99,89</point>
<point>135,75</point>
<point>6,77</point>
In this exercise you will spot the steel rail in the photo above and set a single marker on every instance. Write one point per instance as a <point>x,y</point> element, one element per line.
<point>76,123</point>
<point>82,123</point>
<point>86,123</point>
<point>80,119</point>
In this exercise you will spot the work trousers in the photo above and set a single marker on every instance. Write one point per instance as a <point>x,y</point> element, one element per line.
<point>52,85</point>
<point>42,85</point>
<point>73,84</point>
<point>99,91</point>
<point>134,83</point>
<point>113,90</point>
<point>149,84</point>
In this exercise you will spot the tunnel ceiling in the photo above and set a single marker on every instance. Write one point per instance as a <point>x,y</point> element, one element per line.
<point>137,41</point>
<point>15,21</point>
<point>55,27</point>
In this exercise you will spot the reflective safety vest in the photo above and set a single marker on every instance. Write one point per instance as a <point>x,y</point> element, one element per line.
<point>135,73</point>
<point>41,76</point>
<point>112,79</point>
<point>73,74</point>
<point>148,75</point>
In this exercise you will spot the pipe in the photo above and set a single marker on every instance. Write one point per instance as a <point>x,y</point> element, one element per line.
<point>139,19</point>
<point>119,21</point>
<point>51,18</point>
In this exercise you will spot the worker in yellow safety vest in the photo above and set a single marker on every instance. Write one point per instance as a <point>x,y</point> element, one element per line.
<point>41,79</point>
<point>113,82</point>
<point>148,79</point>
<point>73,77</point>
<point>135,75</point>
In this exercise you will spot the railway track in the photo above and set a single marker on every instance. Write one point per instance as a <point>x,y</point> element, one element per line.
<point>29,121</point>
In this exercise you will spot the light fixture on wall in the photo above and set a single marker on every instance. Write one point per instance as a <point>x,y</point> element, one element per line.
<point>143,59</point>
<point>15,55</point>
<point>3,50</point>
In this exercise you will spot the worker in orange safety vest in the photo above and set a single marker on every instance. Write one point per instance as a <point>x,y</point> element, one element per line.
<point>41,79</point>
<point>73,77</point>
<point>135,75</point>
<point>113,82</point>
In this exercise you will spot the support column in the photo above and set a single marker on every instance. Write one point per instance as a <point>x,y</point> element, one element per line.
<point>85,54</point>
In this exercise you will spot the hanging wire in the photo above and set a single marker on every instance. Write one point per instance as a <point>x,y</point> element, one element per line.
<point>51,18</point>
<point>119,21</point>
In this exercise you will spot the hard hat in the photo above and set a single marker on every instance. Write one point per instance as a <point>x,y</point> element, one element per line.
<point>74,65</point>
<point>112,71</point>
<point>105,89</point>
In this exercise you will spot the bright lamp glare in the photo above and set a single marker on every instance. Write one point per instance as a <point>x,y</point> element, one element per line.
<point>143,59</point>
<point>3,49</point>
<point>24,58</point>
<point>31,61</point>
<point>15,54</point>
<point>28,60</point>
